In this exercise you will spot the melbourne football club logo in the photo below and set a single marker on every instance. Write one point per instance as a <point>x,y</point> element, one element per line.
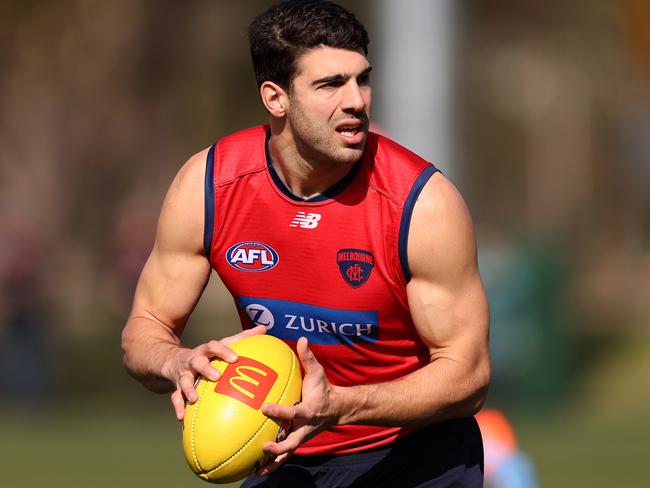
<point>355,265</point>
<point>252,256</point>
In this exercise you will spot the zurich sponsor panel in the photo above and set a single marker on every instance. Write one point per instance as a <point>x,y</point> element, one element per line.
<point>292,320</point>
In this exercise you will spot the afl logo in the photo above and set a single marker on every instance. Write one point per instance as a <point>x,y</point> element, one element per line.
<point>252,256</point>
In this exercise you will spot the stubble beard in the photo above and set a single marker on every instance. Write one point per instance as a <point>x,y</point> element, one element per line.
<point>317,144</point>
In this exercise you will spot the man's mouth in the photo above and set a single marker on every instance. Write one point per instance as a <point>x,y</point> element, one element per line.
<point>350,128</point>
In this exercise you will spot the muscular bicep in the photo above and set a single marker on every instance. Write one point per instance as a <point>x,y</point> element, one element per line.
<point>177,270</point>
<point>169,287</point>
<point>446,295</point>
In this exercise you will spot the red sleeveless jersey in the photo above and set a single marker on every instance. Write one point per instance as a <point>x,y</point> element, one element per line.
<point>332,268</point>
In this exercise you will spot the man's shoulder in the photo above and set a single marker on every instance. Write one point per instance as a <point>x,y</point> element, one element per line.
<point>239,153</point>
<point>248,135</point>
<point>393,169</point>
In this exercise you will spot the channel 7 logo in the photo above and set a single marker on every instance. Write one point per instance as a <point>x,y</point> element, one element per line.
<point>248,381</point>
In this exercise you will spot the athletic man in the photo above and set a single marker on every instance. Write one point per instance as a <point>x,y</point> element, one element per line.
<point>352,249</point>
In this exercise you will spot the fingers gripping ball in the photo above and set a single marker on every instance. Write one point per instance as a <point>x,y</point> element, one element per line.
<point>225,430</point>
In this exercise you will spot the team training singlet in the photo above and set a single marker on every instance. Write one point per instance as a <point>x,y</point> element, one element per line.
<point>332,268</point>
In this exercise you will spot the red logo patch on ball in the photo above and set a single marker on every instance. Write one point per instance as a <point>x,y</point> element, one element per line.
<point>248,381</point>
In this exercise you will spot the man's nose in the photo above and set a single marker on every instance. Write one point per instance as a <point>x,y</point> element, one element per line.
<point>353,97</point>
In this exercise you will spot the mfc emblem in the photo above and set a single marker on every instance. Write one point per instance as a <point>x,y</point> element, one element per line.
<point>355,265</point>
<point>248,381</point>
<point>252,256</point>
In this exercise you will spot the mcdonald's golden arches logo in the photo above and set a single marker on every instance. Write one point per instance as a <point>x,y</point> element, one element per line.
<point>248,381</point>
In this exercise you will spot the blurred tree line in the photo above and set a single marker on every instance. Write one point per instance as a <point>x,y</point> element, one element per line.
<point>101,102</point>
<point>556,130</point>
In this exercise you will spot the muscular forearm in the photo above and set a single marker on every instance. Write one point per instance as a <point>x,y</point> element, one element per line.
<point>443,389</point>
<point>148,346</point>
<point>439,391</point>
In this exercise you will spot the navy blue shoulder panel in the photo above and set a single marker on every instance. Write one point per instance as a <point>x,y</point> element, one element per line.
<point>407,212</point>
<point>208,226</point>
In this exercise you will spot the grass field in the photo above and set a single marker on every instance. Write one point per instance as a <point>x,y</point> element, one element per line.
<point>601,439</point>
<point>108,449</point>
<point>85,447</point>
<point>570,452</point>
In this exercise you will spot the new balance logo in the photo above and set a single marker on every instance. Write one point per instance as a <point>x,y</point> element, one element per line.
<point>306,220</point>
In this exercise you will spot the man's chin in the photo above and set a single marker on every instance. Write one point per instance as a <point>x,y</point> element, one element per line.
<point>352,153</point>
<point>357,149</point>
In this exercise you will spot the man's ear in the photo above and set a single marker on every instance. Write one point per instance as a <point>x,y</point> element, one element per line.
<point>274,98</point>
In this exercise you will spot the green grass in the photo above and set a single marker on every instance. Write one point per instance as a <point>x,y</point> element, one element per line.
<point>84,447</point>
<point>132,449</point>
<point>576,452</point>
<point>602,437</point>
<point>599,440</point>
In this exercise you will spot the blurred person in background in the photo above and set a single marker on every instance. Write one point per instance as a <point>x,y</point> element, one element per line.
<point>328,233</point>
<point>506,466</point>
<point>23,342</point>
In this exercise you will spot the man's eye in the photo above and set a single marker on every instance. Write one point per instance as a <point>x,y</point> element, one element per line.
<point>332,84</point>
<point>364,80</point>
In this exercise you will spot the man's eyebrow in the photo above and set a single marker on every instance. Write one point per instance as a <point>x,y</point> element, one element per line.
<point>339,77</point>
<point>366,71</point>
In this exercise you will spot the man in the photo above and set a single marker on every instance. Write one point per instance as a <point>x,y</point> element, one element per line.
<point>352,249</point>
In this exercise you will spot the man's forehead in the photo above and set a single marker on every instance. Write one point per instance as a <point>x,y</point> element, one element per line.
<point>323,61</point>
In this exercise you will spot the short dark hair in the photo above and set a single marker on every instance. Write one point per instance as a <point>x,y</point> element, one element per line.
<point>282,33</point>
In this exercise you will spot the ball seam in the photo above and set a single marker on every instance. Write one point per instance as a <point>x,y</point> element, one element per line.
<point>194,416</point>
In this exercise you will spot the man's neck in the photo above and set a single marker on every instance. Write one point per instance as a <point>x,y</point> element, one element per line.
<point>304,177</point>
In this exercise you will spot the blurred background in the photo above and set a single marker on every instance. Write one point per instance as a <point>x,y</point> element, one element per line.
<point>538,111</point>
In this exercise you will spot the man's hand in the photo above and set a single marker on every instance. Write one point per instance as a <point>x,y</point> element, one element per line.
<point>316,412</point>
<point>185,365</point>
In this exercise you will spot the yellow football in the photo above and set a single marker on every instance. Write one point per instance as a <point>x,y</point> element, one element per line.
<point>224,431</point>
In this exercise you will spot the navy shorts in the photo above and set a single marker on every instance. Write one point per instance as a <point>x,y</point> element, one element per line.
<point>449,454</point>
